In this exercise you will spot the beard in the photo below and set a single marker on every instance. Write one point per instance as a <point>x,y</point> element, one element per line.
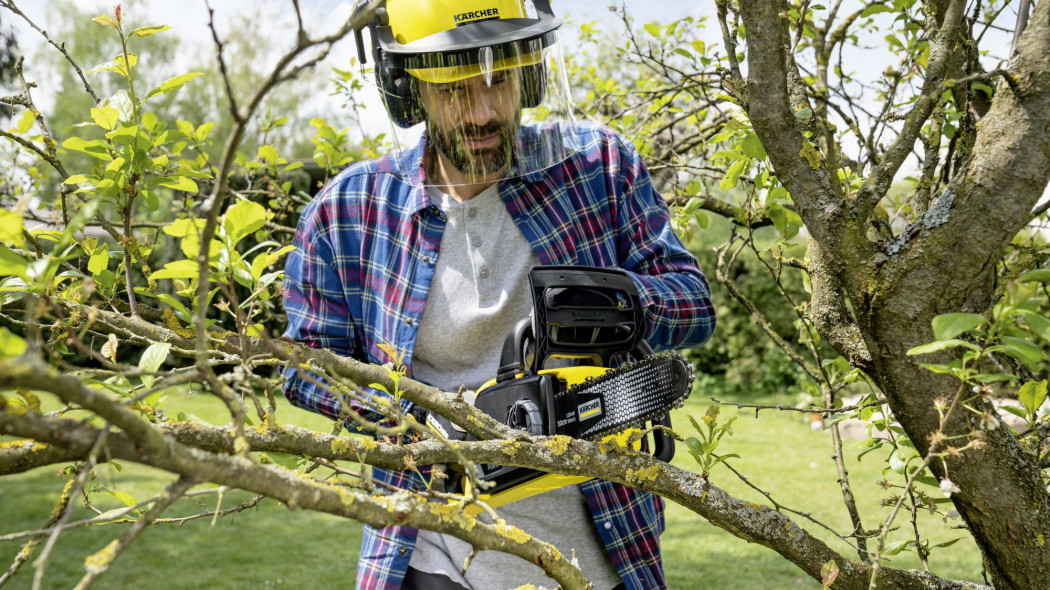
<point>475,163</point>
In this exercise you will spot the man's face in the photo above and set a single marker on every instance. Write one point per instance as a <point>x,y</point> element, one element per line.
<point>473,124</point>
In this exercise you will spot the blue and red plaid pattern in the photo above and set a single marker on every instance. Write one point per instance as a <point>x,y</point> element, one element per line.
<point>363,265</point>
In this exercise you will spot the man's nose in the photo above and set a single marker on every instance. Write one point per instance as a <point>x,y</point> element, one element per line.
<point>484,104</point>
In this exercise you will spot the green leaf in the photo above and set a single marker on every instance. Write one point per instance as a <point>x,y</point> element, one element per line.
<point>105,20</point>
<point>125,498</point>
<point>752,147</point>
<point>122,101</point>
<point>895,548</point>
<point>99,260</point>
<point>260,262</point>
<point>94,148</point>
<point>152,358</point>
<point>1041,275</point>
<point>26,122</point>
<point>126,134</point>
<point>172,84</point>
<point>875,9</point>
<point>179,269</point>
<point>1022,349</point>
<point>11,226</point>
<point>949,325</point>
<point>105,279</point>
<point>243,218</point>
<point>106,117</point>
<point>268,153</point>
<point>733,175</point>
<point>653,29</point>
<point>76,179</point>
<point>11,345</point>
<point>1039,325</point>
<point>1032,395</point>
<point>181,228</point>
<point>947,543</point>
<point>179,183</point>
<point>180,310</point>
<point>149,121</point>
<point>11,263</point>
<point>804,114</point>
<point>150,30</point>
<point>202,132</point>
<point>1019,412</point>
<point>939,346</point>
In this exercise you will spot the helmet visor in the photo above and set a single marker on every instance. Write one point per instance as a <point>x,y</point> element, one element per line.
<point>487,113</point>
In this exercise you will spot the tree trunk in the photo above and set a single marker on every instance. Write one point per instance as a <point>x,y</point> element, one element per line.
<point>937,266</point>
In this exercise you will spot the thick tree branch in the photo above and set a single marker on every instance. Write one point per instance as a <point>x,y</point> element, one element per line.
<point>814,192</point>
<point>942,50</point>
<point>829,313</point>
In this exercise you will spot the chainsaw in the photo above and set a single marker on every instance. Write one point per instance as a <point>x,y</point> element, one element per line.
<point>555,376</point>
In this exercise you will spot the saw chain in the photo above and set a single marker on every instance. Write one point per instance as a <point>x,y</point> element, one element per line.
<point>624,397</point>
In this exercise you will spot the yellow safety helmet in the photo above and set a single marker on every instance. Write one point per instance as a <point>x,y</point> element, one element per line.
<point>412,20</point>
<point>441,41</point>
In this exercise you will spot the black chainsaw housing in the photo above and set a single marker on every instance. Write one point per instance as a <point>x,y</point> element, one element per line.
<point>583,315</point>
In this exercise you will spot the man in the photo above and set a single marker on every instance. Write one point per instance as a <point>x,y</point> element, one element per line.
<point>428,251</point>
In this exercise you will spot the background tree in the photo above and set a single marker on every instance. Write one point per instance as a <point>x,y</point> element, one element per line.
<point>928,298</point>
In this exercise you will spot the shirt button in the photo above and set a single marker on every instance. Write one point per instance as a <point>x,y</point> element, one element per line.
<point>607,526</point>
<point>472,213</point>
<point>477,242</point>
<point>410,321</point>
<point>484,273</point>
<point>402,551</point>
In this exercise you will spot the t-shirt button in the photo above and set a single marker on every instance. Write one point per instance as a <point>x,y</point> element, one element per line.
<point>484,273</point>
<point>607,526</point>
<point>472,213</point>
<point>477,242</point>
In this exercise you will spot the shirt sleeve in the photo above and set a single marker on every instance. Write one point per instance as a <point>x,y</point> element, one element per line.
<point>672,288</point>
<point>319,314</point>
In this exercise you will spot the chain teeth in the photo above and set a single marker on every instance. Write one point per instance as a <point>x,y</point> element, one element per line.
<point>636,421</point>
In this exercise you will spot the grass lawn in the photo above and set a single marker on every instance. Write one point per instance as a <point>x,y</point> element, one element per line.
<point>271,547</point>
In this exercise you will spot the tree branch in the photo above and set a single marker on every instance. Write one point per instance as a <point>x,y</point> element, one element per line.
<point>941,51</point>
<point>814,192</point>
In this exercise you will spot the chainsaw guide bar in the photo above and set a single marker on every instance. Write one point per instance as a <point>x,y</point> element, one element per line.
<point>624,397</point>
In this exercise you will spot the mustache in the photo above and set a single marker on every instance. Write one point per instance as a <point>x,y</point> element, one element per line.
<point>473,131</point>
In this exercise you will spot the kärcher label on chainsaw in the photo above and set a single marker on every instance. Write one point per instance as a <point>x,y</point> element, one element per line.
<point>590,409</point>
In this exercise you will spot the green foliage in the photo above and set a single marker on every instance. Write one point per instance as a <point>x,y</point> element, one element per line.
<point>711,432</point>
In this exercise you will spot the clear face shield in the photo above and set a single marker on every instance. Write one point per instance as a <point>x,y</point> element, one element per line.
<point>473,115</point>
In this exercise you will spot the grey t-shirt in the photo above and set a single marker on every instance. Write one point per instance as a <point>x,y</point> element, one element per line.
<point>480,290</point>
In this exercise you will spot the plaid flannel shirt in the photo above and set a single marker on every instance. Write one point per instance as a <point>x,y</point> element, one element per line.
<point>359,277</point>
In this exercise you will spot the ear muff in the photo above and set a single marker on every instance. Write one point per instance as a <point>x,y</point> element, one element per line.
<point>533,85</point>
<point>399,92</point>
